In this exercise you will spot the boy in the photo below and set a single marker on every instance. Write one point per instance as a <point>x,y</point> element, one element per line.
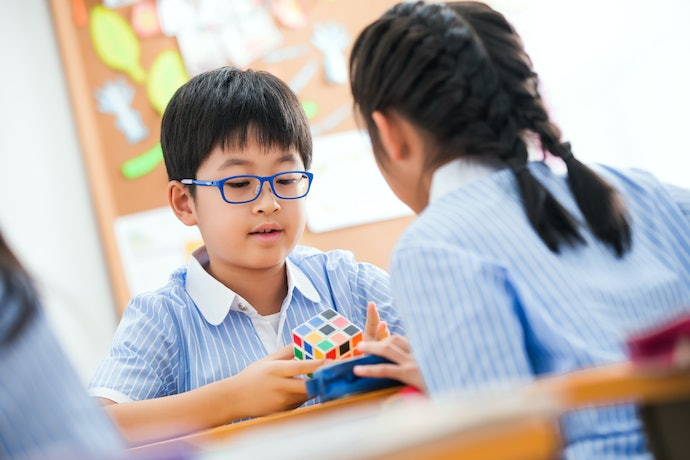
<point>212,346</point>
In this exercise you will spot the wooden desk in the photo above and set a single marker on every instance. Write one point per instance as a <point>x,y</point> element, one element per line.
<point>364,401</point>
<point>532,437</point>
<point>535,438</point>
<point>225,432</point>
<point>617,383</point>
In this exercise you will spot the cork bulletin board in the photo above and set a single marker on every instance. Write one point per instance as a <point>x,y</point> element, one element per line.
<point>124,59</point>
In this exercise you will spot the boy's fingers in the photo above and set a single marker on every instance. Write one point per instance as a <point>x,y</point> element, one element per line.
<point>286,352</point>
<point>302,366</point>
<point>296,387</point>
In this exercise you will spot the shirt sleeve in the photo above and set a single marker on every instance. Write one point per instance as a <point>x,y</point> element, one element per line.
<point>681,196</point>
<point>143,357</point>
<point>462,315</point>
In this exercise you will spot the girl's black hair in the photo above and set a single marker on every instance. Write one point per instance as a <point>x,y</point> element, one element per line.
<point>459,72</point>
<point>18,299</point>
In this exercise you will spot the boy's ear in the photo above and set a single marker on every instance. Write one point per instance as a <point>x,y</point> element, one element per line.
<point>181,202</point>
<point>393,134</point>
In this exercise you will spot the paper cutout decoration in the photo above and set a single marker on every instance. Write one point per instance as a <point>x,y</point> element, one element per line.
<point>247,31</point>
<point>145,19</point>
<point>337,158</point>
<point>115,42</point>
<point>201,50</point>
<point>326,335</point>
<point>301,79</point>
<point>176,16</point>
<point>331,40</point>
<point>311,108</point>
<point>331,121</point>
<point>287,53</point>
<point>116,97</point>
<point>290,13</point>
<point>212,32</point>
<point>142,164</point>
<point>80,14</point>
<point>118,3</point>
<point>166,75</point>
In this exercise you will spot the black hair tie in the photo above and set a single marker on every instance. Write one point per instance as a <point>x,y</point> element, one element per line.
<point>569,153</point>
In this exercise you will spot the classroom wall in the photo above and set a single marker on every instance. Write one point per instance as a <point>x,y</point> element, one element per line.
<point>45,209</point>
<point>616,74</point>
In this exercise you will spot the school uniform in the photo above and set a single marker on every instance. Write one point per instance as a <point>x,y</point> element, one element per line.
<point>491,304</point>
<point>195,331</point>
<point>44,409</point>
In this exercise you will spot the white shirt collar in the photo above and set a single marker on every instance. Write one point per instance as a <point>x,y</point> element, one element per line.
<point>214,300</point>
<point>459,173</point>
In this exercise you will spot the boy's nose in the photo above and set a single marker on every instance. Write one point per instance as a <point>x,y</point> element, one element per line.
<point>266,202</point>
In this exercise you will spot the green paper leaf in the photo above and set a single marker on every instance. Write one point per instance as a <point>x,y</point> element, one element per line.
<point>142,164</point>
<point>166,75</point>
<point>115,42</point>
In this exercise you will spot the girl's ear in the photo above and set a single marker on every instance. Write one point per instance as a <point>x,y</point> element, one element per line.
<point>399,138</point>
<point>181,202</point>
<point>390,135</point>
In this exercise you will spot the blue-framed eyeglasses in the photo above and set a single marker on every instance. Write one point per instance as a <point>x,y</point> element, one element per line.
<point>288,185</point>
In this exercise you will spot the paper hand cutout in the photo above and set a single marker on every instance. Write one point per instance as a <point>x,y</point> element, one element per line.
<point>331,40</point>
<point>116,97</point>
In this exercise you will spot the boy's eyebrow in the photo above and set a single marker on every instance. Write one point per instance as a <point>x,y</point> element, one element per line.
<point>235,162</point>
<point>285,158</point>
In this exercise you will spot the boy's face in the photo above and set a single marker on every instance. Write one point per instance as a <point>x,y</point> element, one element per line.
<point>255,235</point>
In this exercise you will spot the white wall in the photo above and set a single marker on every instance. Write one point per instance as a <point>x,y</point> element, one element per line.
<point>616,74</point>
<point>45,207</point>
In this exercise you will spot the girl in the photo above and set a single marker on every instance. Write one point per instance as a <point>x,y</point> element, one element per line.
<point>510,271</point>
<point>44,410</point>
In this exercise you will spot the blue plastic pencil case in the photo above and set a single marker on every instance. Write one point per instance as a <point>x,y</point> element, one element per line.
<point>337,380</point>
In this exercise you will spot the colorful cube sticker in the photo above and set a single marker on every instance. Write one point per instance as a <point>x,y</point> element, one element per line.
<point>326,335</point>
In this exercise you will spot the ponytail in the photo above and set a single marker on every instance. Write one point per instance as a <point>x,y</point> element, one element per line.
<point>600,204</point>
<point>550,220</point>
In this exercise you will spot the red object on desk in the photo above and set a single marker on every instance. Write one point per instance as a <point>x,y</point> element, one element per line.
<point>668,344</point>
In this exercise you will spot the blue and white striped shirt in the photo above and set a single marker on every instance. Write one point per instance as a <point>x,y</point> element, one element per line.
<point>486,302</point>
<point>195,331</point>
<point>45,412</point>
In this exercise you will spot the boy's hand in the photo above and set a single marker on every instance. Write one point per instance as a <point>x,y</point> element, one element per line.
<point>271,384</point>
<point>374,328</point>
<point>397,349</point>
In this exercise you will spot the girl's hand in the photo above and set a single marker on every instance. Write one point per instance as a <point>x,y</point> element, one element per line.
<point>396,348</point>
<point>374,328</point>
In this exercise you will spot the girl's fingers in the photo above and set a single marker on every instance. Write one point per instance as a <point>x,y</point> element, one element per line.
<point>382,331</point>
<point>372,322</point>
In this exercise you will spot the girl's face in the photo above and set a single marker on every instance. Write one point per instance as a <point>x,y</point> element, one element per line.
<point>400,156</point>
<point>250,236</point>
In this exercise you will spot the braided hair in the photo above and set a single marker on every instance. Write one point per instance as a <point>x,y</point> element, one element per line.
<point>459,72</point>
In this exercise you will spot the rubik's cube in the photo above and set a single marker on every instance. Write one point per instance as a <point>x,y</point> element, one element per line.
<point>326,335</point>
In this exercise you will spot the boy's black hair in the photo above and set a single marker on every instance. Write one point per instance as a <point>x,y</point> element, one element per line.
<point>459,72</point>
<point>226,107</point>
